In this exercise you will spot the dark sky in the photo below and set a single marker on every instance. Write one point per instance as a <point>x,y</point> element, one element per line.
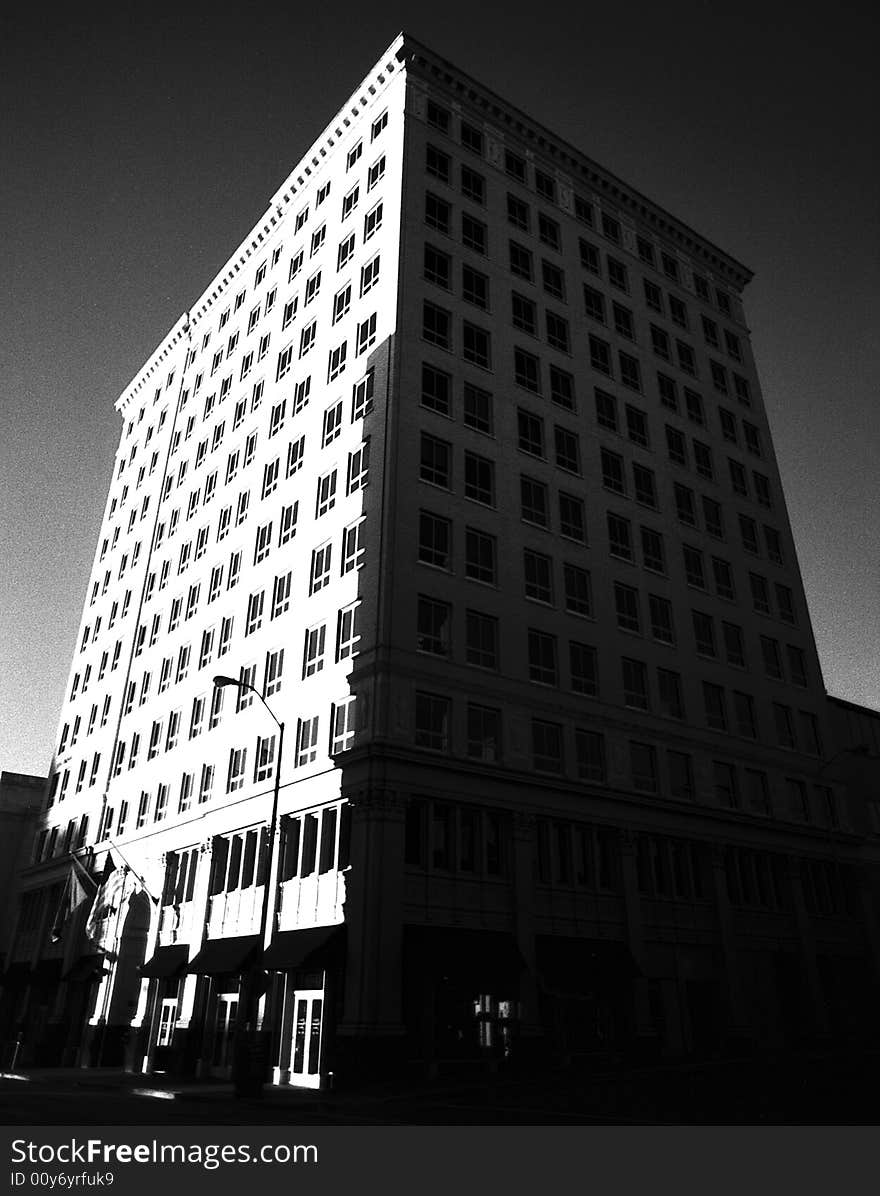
<point>137,150</point>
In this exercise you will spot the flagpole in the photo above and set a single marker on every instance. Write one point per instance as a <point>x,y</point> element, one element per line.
<point>111,977</point>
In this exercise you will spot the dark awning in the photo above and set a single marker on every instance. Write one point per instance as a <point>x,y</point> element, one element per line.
<point>315,947</point>
<point>85,968</point>
<point>46,971</point>
<point>223,957</point>
<point>485,960</point>
<point>167,962</point>
<point>580,967</point>
<point>17,972</point>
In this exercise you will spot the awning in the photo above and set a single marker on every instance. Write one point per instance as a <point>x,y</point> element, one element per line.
<point>85,968</point>
<point>46,971</point>
<point>312,948</point>
<point>485,960</point>
<point>167,962</point>
<point>223,957</point>
<point>17,972</point>
<point>581,967</point>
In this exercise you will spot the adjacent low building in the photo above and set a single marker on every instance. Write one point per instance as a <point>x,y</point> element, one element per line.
<point>459,476</point>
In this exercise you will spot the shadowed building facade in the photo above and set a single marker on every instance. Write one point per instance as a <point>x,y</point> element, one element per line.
<point>462,462</point>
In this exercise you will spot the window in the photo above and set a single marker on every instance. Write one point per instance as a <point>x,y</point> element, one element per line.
<point>796,665</point>
<point>693,567</point>
<point>613,477</point>
<point>760,593</point>
<point>369,275</point>
<point>653,554</point>
<point>669,693</point>
<point>436,325</point>
<point>643,761</point>
<point>480,556</point>
<point>600,355</point>
<point>543,667</point>
<point>685,504</point>
<point>584,668</point>
<point>435,540</point>
<point>744,713</point>
<point>681,775</point>
<point>366,334</point>
<point>432,722</point>
<point>703,460</point>
<point>273,672</point>
<point>479,479</point>
<point>318,238</point>
<point>362,397</point>
<point>567,449</point>
<point>715,706</point>
<point>557,331</point>
<point>474,234</point>
<point>473,185</point>
<point>477,409</point>
<point>346,249</point>
<point>438,117</point>
<point>733,644</point>
<point>319,576</point>
<point>606,410</point>
<point>483,733</point>
<point>662,628</point>
<point>644,485</point>
<point>287,523</point>
<point>375,173</point>
<point>306,741</point>
<point>476,345</point>
<point>481,639</point>
<point>526,370</point>
<point>530,433</point>
<point>572,521</point>
<point>619,537</point>
<point>326,494</point>
<point>342,733</point>
<point>533,499</point>
<point>726,783</point>
<point>635,684</point>
<point>678,311</point>
<point>332,424</point>
<point>347,636</point>
<point>623,321</point>
<point>626,603</point>
<point>437,267</point>
<point>548,231</point>
<point>546,746</point>
<point>254,612</point>
<point>313,650</point>
<point>704,633</point>
<point>471,138</point>
<point>435,465</point>
<point>474,287</point>
<point>438,213</point>
<point>378,125</point>
<point>538,572</point>
<point>553,280</point>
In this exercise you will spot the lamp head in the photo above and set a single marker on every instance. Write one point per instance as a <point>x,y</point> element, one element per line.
<point>220,680</point>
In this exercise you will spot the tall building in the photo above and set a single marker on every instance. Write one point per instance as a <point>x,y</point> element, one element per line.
<point>462,463</point>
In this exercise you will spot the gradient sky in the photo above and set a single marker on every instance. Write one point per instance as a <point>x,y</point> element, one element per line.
<point>137,150</point>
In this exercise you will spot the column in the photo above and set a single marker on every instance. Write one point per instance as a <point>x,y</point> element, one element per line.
<point>531,1028</point>
<point>371,1032</point>
<point>808,948</point>
<point>644,1022</point>
<point>735,1014</point>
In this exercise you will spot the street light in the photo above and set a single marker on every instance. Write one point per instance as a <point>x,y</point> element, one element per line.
<point>250,1059</point>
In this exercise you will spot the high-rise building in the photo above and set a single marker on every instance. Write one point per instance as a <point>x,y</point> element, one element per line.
<point>460,470</point>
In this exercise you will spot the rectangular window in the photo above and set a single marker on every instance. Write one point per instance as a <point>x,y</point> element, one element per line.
<point>432,722</point>
<point>584,668</point>
<point>547,754</point>
<point>480,556</point>
<point>543,666</point>
<point>481,640</point>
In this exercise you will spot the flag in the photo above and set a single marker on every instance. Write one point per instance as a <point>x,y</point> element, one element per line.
<point>108,900</point>
<point>78,888</point>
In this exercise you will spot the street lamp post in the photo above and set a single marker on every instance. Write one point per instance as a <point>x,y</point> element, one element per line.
<point>250,1057</point>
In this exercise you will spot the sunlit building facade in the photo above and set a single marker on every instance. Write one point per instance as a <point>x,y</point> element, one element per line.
<point>462,463</point>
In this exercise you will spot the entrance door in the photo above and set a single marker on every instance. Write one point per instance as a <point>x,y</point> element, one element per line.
<point>305,1063</point>
<point>224,1032</point>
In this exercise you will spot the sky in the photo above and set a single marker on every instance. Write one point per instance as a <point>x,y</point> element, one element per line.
<point>138,148</point>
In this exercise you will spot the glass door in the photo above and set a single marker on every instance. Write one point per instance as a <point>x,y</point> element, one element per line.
<point>305,1069</point>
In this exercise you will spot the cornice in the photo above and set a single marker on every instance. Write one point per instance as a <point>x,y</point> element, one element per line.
<point>422,61</point>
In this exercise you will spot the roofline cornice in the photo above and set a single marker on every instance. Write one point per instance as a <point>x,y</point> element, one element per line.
<point>423,60</point>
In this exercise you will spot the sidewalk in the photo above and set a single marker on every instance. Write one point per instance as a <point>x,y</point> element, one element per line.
<point>812,1088</point>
